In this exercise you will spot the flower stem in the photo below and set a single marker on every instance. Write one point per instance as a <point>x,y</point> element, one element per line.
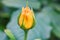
<point>25,36</point>
<point>26,2</point>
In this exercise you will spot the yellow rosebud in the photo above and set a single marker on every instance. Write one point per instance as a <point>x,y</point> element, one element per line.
<point>26,19</point>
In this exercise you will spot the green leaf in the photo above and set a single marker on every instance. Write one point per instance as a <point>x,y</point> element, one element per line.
<point>9,34</point>
<point>3,36</point>
<point>42,28</point>
<point>55,6</point>
<point>56,23</point>
<point>55,20</point>
<point>21,3</point>
<point>5,15</point>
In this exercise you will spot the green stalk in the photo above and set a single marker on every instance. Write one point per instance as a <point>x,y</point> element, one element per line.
<point>26,33</point>
<point>26,2</point>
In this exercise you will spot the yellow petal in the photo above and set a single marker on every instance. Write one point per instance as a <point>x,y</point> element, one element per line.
<point>26,18</point>
<point>28,21</point>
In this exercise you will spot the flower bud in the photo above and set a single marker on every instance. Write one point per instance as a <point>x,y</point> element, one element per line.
<point>26,19</point>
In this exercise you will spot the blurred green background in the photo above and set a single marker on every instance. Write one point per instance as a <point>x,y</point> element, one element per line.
<point>47,13</point>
